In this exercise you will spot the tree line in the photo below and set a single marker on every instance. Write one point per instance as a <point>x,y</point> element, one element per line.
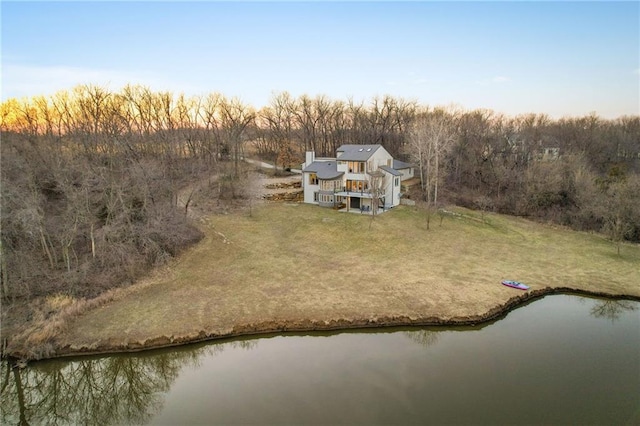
<point>91,177</point>
<point>580,172</point>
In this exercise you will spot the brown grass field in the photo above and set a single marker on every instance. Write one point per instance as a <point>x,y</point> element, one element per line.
<point>296,266</point>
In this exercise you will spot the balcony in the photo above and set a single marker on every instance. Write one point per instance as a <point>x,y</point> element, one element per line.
<point>343,192</point>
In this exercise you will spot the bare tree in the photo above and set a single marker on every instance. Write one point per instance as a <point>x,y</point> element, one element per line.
<point>306,121</point>
<point>430,139</point>
<point>209,117</point>
<point>377,183</point>
<point>484,203</point>
<point>279,120</point>
<point>622,210</point>
<point>234,119</point>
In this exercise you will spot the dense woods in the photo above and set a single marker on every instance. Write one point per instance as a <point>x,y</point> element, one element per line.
<point>91,177</point>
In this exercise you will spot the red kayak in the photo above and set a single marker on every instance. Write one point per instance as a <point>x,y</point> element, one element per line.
<point>515,284</point>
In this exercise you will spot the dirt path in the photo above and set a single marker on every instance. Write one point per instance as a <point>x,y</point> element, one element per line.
<point>196,198</point>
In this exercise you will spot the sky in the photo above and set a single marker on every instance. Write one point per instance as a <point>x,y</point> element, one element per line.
<point>557,58</point>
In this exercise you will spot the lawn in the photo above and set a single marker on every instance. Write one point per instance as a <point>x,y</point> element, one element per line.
<point>295,264</point>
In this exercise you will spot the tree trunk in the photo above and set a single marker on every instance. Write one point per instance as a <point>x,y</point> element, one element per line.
<point>45,247</point>
<point>93,243</point>
<point>4,273</point>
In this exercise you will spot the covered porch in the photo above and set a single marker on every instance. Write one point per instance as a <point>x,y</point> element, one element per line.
<point>359,202</point>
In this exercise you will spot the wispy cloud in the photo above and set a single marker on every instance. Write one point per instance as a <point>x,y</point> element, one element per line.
<point>24,81</point>
<point>499,79</point>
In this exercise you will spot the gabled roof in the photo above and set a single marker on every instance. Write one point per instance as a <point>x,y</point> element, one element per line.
<point>324,169</point>
<point>399,165</point>
<point>357,152</point>
<point>391,171</point>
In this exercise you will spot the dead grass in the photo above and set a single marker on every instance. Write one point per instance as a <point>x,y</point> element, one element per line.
<point>292,262</point>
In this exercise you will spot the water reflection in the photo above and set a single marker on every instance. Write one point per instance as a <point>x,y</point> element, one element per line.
<point>612,309</point>
<point>356,377</point>
<point>110,390</point>
<point>424,337</point>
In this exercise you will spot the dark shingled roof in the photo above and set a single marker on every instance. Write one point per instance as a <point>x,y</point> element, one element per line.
<point>357,152</point>
<point>324,169</point>
<point>398,165</point>
<point>388,169</point>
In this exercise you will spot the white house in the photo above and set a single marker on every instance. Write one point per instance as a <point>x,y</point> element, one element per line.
<point>348,180</point>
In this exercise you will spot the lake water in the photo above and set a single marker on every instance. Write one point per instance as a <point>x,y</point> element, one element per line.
<point>559,360</point>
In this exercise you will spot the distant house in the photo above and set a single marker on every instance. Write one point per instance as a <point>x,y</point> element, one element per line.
<point>357,175</point>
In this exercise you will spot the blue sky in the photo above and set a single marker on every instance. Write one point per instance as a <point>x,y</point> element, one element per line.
<point>558,58</point>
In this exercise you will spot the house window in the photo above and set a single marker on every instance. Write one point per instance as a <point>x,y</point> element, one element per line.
<point>313,179</point>
<point>357,186</point>
<point>355,166</point>
<point>315,197</point>
<point>397,181</point>
<point>330,185</point>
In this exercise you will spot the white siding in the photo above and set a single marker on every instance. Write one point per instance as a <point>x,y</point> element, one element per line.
<point>406,173</point>
<point>391,191</point>
<point>379,158</point>
<point>309,189</point>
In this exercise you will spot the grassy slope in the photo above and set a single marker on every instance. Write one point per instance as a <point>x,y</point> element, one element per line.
<point>292,262</point>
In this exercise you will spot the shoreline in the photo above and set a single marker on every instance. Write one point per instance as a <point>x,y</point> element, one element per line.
<point>308,325</point>
<point>262,283</point>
